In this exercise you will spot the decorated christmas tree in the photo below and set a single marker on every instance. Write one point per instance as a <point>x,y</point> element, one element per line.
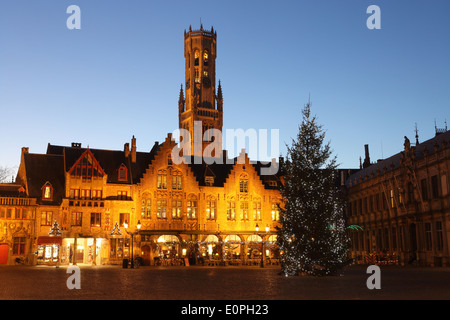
<point>312,236</point>
<point>55,231</point>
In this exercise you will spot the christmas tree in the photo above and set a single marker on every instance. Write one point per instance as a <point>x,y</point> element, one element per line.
<point>55,231</point>
<point>312,236</point>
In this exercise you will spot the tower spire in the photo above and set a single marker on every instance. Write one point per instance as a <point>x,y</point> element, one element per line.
<point>201,100</point>
<point>417,135</point>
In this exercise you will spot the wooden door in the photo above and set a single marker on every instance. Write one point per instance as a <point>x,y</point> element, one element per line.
<point>146,255</point>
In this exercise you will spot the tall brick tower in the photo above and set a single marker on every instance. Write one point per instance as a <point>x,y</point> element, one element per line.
<point>200,102</point>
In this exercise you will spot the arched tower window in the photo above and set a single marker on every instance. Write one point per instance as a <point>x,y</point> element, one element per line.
<point>205,58</point>
<point>196,58</point>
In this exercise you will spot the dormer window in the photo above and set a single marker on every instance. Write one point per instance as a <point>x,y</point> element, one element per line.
<point>47,191</point>
<point>123,173</point>
<point>209,181</point>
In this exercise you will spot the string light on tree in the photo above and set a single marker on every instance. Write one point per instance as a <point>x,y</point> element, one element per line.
<point>312,236</point>
<point>55,231</point>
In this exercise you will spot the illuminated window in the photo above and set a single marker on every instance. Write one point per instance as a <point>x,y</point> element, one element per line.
<point>275,212</point>
<point>197,76</point>
<point>86,167</point>
<point>196,58</point>
<point>391,197</point>
<point>211,210</point>
<point>176,182</point>
<point>192,209</point>
<point>176,209</point>
<point>124,217</point>
<point>47,192</point>
<point>96,194</point>
<point>231,210</point>
<point>146,208</point>
<point>244,210</point>
<point>162,181</point>
<point>256,210</point>
<point>243,185</point>
<point>77,218</point>
<point>46,218</point>
<point>161,209</point>
<point>205,58</point>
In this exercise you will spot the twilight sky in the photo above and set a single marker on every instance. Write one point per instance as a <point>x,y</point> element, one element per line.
<point>120,74</point>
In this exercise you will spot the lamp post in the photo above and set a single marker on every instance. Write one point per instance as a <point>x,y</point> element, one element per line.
<point>132,234</point>
<point>262,243</point>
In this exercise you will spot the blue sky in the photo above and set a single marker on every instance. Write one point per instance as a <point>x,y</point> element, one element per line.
<point>120,74</point>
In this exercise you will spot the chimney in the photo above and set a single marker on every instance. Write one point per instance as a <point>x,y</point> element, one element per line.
<point>126,149</point>
<point>133,149</point>
<point>367,158</point>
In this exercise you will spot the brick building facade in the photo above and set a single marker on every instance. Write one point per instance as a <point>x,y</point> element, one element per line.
<point>401,206</point>
<point>205,212</point>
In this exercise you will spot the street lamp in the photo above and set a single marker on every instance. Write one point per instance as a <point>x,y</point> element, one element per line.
<point>132,234</point>
<point>262,243</point>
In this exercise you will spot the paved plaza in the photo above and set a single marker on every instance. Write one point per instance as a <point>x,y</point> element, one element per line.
<point>219,283</point>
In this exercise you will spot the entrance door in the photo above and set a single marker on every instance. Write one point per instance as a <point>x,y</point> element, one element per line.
<point>3,253</point>
<point>146,255</point>
<point>80,255</point>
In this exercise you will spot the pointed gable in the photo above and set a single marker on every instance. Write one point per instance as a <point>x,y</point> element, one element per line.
<point>87,167</point>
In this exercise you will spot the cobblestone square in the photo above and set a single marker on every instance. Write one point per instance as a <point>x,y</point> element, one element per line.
<point>219,283</point>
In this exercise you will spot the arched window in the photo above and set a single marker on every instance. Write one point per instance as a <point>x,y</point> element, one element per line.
<point>168,238</point>
<point>47,191</point>
<point>205,58</point>
<point>196,58</point>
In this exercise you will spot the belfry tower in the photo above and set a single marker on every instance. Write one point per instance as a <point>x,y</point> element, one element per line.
<point>200,102</point>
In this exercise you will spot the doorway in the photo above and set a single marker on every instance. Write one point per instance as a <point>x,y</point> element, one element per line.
<point>3,253</point>
<point>145,255</point>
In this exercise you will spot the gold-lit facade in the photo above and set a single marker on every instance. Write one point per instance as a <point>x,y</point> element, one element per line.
<point>76,205</point>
